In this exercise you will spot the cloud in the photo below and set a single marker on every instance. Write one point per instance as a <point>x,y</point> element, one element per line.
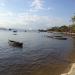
<point>2,4</point>
<point>37,4</point>
<point>27,21</point>
<point>6,14</point>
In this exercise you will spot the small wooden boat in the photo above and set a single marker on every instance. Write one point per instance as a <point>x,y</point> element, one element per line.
<point>50,36</point>
<point>58,37</point>
<point>15,44</point>
<point>15,31</point>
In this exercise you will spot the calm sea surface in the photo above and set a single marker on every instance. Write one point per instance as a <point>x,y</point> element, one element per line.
<point>40,55</point>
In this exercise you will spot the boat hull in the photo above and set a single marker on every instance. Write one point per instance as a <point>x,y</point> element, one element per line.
<point>15,44</point>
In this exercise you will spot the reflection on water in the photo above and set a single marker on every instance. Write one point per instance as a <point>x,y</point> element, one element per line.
<point>40,55</point>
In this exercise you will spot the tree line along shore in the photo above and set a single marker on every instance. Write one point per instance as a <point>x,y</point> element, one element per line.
<point>69,29</point>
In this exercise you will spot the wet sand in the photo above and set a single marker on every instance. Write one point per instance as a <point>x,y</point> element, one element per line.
<point>71,58</point>
<point>49,69</point>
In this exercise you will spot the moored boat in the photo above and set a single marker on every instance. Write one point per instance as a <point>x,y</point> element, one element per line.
<point>15,31</point>
<point>15,44</point>
<point>58,37</point>
<point>61,38</point>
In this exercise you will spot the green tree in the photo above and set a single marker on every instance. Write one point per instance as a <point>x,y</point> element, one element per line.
<point>73,25</point>
<point>73,19</point>
<point>53,29</point>
<point>73,28</point>
<point>64,28</point>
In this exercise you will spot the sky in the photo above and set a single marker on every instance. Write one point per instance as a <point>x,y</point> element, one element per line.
<point>36,14</point>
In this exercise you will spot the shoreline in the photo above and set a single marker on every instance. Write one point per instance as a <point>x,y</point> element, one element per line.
<point>71,71</point>
<point>72,59</point>
<point>66,33</point>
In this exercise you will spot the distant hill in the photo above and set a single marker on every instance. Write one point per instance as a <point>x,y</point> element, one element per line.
<point>3,28</point>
